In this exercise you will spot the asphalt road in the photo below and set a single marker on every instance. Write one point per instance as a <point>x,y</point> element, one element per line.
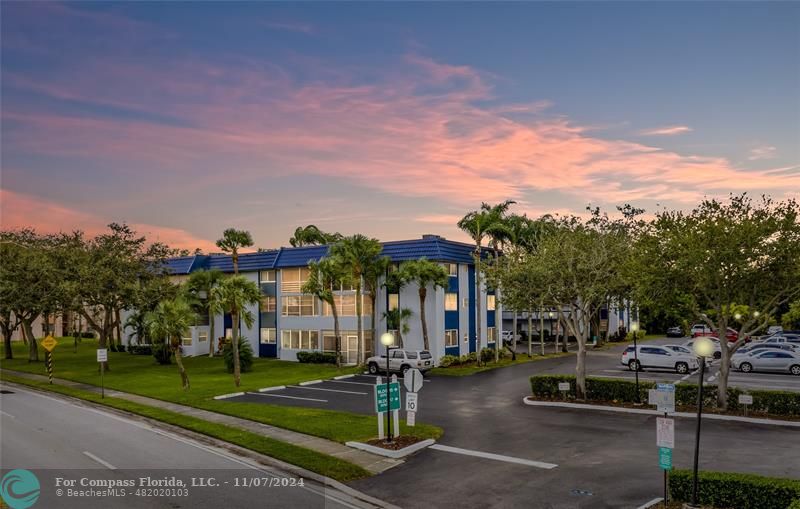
<point>53,438</point>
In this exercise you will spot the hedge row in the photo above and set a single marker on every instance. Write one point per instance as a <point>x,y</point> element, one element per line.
<point>740,491</point>
<point>317,357</point>
<point>608,389</point>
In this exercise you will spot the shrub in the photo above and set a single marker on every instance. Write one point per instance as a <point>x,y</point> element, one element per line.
<point>245,355</point>
<point>140,349</point>
<point>120,348</point>
<point>795,504</point>
<point>162,353</point>
<point>742,491</point>
<point>84,334</point>
<point>487,354</point>
<point>449,360</point>
<point>607,389</point>
<point>317,357</point>
<point>639,335</point>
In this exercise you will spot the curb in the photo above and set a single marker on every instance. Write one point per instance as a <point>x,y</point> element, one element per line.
<point>401,453</point>
<point>644,411</point>
<point>259,458</point>
<point>275,388</point>
<point>231,395</point>
<point>342,377</point>
<point>652,503</point>
<point>310,382</point>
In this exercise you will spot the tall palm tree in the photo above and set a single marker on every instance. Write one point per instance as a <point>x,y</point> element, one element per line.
<point>478,224</point>
<point>313,236</point>
<point>424,273</point>
<point>168,322</point>
<point>326,276</point>
<point>232,240</point>
<point>233,295</point>
<point>198,291</point>
<point>359,253</point>
<point>499,233</point>
<point>397,319</point>
<point>372,285</point>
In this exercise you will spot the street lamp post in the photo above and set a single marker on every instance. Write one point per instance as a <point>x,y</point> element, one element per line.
<point>387,339</point>
<point>552,330</point>
<point>702,348</point>
<point>635,329</point>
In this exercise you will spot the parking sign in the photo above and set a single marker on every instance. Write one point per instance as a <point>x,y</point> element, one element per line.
<point>411,402</point>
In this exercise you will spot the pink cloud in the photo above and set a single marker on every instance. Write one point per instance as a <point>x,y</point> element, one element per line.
<point>18,210</point>
<point>667,131</point>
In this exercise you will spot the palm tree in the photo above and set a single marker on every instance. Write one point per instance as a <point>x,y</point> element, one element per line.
<point>231,241</point>
<point>198,289</point>
<point>499,233</point>
<point>313,236</point>
<point>359,254</point>
<point>372,286</point>
<point>233,295</point>
<point>326,277</point>
<point>170,320</point>
<point>424,273</point>
<point>478,224</point>
<point>397,319</point>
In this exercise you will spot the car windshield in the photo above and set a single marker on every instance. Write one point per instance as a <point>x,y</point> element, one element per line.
<point>629,349</point>
<point>411,355</point>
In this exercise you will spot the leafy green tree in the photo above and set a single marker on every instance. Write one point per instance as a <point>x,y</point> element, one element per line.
<point>359,254</point>
<point>721,254</point>
<point>397,319</point>
<point>198,289</point>
<point>168,323</point>
<point>791,319</point>
<point>232,241</point>
<point>233,295</point>
<point>312,236</point>
<point>325,278</point>
<point>424,273</point>
<point>372,284</point>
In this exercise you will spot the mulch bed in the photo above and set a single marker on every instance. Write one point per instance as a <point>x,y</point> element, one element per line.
<point>397,442</point>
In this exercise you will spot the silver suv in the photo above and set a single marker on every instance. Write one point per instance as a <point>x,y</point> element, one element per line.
<point>401,361</point>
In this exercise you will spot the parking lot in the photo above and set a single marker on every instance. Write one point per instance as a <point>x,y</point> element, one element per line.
<point>350,394</point>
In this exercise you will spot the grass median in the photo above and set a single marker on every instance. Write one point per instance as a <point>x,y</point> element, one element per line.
<point>471,368</point>
<point>140,374</point>
<point>314,461</point>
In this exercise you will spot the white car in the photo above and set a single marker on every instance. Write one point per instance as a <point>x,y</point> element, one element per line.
<point>401,361</point>
<point>507,336</point>
<point>777,361</point>
<point>717,349</point>
<point>659,357</point>
<point>774,329</point>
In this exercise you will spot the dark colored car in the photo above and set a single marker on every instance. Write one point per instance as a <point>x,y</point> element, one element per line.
<point>674,332</point>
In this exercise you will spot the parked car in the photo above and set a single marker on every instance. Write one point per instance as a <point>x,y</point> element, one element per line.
<point>678,348</point>
<point>773,329</point>
<point>658,357</point>
<point>782,338</point>
<point>731,335</point>
<point>401,361</point>
<point>675,332</point>
<point>776,361</point>
<point>764,347</point>
<point>717,348</point>
<point>701,329</point>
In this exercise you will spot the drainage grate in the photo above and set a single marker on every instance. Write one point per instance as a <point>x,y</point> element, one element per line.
<point>3,391</point>
<point>582,493</point>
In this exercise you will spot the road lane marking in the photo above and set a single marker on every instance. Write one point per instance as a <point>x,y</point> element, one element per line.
<point>231,395</point>
<point>328,390</point>
<point>652,503</point>
<point>491,456</point>
<point>340,377</point>
<point>275,388</point>
<point>7,414</point>
<point>287,397</point>
<point>100,460</point>
<point>310,382</point>
<point>347,382</point>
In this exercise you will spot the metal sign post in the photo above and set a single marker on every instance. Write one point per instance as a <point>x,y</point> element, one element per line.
<point>49,343</point>
<point>664,397</point>
<point>564,388</point>
<point>745,400</point>
<point>102,357</point>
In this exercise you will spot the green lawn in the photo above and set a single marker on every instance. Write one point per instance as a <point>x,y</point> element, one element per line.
<point>471,369</point>
<point>140,374</point>
<point>311,460</point>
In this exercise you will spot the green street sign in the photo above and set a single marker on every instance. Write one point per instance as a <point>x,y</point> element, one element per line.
<point>380,397</point>
<point>665,458</point>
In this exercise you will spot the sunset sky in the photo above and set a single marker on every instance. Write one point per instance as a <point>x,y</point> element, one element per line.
<point>392,120</point>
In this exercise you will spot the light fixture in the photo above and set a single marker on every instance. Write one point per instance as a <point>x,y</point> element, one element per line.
<point>738,316</point>
<point>634,326</point>
<point>756,313</point>
<point>703,347</point>
<point>387,339</point>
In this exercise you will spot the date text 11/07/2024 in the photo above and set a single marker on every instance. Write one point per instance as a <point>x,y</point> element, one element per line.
<point>174,482</point>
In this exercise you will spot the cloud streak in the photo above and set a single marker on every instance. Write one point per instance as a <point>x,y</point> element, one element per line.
<point>667,131</point>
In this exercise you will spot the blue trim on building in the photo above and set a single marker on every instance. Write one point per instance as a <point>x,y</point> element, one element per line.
<point>471,307</point>
<point>451,350</point>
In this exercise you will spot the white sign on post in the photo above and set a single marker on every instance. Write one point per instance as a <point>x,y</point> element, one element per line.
<point>563,386</point>
<point>102,355</point>
<point>745,399</point>
<point>413,380</point>
<point>665,432</point>
<point>663,397</point>
<point>411,402</point>
<point>411,418</point>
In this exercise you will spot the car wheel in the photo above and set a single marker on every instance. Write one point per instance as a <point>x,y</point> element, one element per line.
<point>795,370</point>
<point>717,355</point>
<point>634,365</point>
<point>373,368</point>
<point>404,369</point>
<point>746,367</point>
<point>682,368</point>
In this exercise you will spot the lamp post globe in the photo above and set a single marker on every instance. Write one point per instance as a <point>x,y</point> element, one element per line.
<point>703,347</point>
<point>738,316</point>
<point>387,339</point>
<point>635,329</point>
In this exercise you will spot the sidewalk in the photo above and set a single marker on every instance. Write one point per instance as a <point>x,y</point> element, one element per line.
<point>371,462</point>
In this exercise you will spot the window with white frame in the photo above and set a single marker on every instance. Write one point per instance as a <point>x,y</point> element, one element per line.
<point>268,304</point>
<point>451,337</point>
<point>491,302</point>
<point>292,280</point>
<point>300,339</point>
<point>267,276</point>
<point>202,336</point>
<point>187,340</point>
<point>451,302</point>
<point>299,305</point>
<point>346,305</point>
<point>268,336</point>
<point>328,341</point>
<point>452,269</point>
<point>394,301</point>
<point>491,334</point>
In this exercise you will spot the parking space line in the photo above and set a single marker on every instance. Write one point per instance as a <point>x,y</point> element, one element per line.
<point>492,456</point>
<point>349,382</point>
<point>287,397</point>
<point>310,382</point>
<point>100,460</point>
<point>328,390</point>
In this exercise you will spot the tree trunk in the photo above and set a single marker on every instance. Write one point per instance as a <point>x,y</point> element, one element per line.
<point>725,366</point>
<point>478,302</point>
<point>514,333</point>
<point>373,317</point>
<point>23,333</point>
<point>423,293</point>
<point>176,349</point>
<point>7,333</point>
<point>211,338</point>
<point>336,333</point>
<point>33,350</point>
<point>118,326</point>
<point>580,369</point>
<point>530,332</point>
<point>235,257</point>
<point>361,350</point>
<point>235,346</point>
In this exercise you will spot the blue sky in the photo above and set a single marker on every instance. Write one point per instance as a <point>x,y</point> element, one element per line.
<point>391,119</point>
